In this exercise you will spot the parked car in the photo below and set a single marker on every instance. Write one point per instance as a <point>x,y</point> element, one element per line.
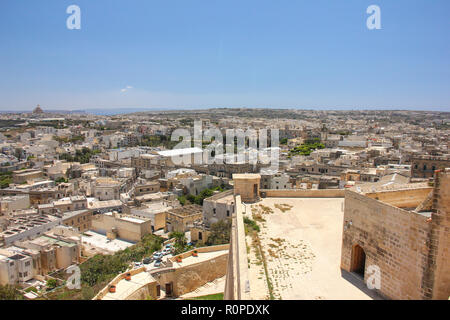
<point>166,251</point>
<point>157,255</point>
<point>147,260</point>
<point>138,264</point>
<point>157,263</point>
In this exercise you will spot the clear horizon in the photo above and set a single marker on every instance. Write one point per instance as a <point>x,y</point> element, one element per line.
<point>217,54</point>
<point>118,110</point>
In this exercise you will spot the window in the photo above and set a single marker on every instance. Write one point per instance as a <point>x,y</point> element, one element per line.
<point>228,213</point>
<point>27,263</point>
<point>214,211</point>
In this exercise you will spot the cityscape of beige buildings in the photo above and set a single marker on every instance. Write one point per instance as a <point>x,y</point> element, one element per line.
<point>356,207</point>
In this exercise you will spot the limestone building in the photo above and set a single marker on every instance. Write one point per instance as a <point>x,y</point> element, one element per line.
<point>247,186</point>
<point>121,226</point>
<point>402,238</point>
<point>424,166</point>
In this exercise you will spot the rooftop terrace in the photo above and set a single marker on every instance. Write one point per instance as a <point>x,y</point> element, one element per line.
<point>300,238</point>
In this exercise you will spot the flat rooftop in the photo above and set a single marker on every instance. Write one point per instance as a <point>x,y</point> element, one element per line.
<point>246,176</point>
<point>94,240</point>
<point>131,219</point>
<point>301,239</point>
<point>178,152</point>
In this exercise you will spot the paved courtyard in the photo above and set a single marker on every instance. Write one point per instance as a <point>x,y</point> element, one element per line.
<point>301,239</point>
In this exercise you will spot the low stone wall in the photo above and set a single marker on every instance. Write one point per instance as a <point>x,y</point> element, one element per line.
<point>200,250</point>
<point>301,193</point>
<point>187,279</point>
<point>115,281</point>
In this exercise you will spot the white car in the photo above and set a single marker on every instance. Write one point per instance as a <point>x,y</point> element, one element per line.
<point>157,255</point>
<point>138,264</point>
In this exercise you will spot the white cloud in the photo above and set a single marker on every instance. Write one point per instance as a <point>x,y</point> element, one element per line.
<point>126,89</point>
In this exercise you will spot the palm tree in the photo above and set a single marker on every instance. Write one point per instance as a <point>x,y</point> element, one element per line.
<point>180,241</point>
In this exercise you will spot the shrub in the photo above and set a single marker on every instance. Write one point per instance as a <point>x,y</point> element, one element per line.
<point>251,224</point>
<point>52,283</point>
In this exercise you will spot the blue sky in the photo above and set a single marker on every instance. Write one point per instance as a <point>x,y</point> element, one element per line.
<point>209,53</point>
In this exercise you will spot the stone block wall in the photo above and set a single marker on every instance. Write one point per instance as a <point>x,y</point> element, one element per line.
<point>188,278</point>
<point>440,237</point>
<point>299,193</point>
<point>393,239</point>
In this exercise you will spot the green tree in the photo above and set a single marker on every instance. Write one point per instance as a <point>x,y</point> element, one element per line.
<point>180,244</point>
<point>5,179</point>
<point>9,292</point>
<point>220,233</point>
<point>182,200</point>
<point>61,180</point>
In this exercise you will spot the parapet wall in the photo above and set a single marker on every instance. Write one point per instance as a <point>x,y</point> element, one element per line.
<point>188,278</point>
<point>200,250</point>
<point>302,193</point>
<point>408,198</point>
<point>237,285</point>
<point>184,278</point>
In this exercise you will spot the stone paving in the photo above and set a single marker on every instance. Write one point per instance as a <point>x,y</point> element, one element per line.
<point>301,239</point>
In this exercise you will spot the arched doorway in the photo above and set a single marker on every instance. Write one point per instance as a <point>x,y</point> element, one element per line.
<point>358,260</point>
